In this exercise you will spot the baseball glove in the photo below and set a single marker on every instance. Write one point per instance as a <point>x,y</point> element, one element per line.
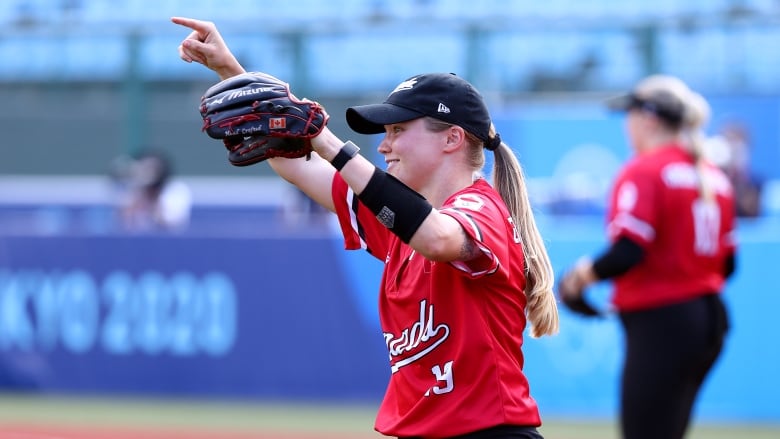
<point>257,118</point>
<point>571,292</point>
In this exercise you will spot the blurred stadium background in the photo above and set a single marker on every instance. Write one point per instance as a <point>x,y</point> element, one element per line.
<point>202,321</point>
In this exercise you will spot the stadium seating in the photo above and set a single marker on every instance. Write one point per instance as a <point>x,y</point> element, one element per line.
<point>524,43</point>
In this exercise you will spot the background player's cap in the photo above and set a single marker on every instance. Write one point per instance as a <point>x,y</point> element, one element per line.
<point>443,96</point>
<point>664,96</point>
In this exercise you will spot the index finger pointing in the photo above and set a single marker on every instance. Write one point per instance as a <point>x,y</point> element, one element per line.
<point>197,25</point>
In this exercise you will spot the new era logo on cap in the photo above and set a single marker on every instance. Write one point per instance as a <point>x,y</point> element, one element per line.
<point>443,108</point>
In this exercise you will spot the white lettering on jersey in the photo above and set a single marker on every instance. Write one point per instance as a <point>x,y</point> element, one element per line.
<point>685,176</point>
<point>416,341</point>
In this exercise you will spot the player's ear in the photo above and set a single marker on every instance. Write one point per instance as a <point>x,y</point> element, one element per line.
<point>456,137</point>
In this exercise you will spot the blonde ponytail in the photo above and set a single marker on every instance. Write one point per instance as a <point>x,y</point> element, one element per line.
<point>697,114</point>
<point>509,181</point>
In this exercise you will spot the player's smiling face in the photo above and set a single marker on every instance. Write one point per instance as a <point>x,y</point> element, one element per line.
<point>410,152</point>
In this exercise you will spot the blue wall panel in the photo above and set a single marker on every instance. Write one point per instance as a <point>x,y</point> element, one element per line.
<point>254,318</point>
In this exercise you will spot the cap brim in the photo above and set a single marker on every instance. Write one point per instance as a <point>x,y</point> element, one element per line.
<point>620,103</point>
<point>371,119</point>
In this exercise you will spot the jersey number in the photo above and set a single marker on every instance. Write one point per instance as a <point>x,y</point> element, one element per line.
<point>444,377</point>
<point>706,224</point>
<point>515,233</point>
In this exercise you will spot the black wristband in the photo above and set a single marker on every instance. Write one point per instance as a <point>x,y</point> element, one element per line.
<point>347,151</point>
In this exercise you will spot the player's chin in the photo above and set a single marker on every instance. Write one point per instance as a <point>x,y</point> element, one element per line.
<point>392,167</point>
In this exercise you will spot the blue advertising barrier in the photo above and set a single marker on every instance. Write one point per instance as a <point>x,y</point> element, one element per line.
<point>185,316</point>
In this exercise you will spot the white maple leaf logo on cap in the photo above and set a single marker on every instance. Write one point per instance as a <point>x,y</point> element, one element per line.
<point>406,85</point>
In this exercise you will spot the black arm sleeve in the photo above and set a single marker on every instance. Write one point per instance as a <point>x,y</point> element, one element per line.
<point>618,259</point>
<point>396,206</point>
<point>731,265</point>
<point>625,253</point>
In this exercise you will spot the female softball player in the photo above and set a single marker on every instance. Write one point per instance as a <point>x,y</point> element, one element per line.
<point>671,223</point>
<point>464,262</point>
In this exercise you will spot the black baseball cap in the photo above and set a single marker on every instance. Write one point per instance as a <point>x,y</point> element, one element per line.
<point>443,96</point>
<point>663,103</point>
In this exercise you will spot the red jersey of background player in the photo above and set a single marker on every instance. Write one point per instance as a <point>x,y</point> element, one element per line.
<point>453,330</point>
<point>656,203</point>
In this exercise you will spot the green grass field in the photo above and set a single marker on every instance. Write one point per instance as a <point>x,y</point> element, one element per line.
<point>59,417</point>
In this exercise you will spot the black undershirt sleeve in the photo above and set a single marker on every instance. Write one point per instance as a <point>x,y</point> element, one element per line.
<point>618,258</point>
<point>625,254</point>
<point>731,265</point>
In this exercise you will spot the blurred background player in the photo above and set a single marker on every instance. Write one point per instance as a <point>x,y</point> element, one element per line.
<point>730,149</point>
<point>671,224</point>
<point>149,198</point>
<point>464,262</point>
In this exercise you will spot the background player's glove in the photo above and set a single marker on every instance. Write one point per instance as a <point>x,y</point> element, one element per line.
<point>571,291</point>
<point>257,118</point>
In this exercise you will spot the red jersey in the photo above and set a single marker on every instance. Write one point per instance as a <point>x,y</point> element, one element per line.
<point>453,331</point>
<point>656,202</point>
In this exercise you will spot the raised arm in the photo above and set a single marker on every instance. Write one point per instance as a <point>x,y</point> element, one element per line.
<point>206,46</point>
<point>438,237</point>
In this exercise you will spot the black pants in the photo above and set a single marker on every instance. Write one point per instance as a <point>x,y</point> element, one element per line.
<point>502,432</point>
<point>669,352</point>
